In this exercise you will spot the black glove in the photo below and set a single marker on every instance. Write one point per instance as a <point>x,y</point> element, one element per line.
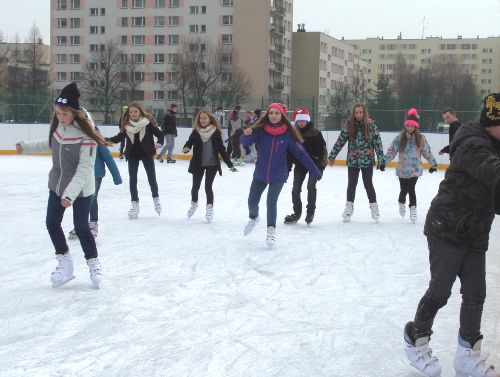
<point>432,169</point>
<point>381,167</point>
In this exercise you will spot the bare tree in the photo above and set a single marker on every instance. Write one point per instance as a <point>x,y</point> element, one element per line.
<point>235,87</point>
<point>132,77</point>
<point>340,103</point>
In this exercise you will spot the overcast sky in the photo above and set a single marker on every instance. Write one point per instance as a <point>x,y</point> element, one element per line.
<point>351,19</point>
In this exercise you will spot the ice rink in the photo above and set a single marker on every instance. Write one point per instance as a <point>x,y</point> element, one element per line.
<point>185,298</point>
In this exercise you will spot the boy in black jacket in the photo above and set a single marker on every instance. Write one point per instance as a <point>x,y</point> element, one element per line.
<point>315,145</point>
<point>457,228</point>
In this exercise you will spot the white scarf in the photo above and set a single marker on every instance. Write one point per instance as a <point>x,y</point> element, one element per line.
<point>207,132</point>
<point>134,127</point>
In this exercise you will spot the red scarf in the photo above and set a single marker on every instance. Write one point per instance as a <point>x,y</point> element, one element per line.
<point>275,130</point>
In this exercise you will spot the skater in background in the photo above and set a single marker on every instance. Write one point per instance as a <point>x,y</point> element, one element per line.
<point>274,137</point>
<point>233,124</point>
<point>122,143</point>
<point>457,227</point>
<point>450,118</point>
<point>72,141</point>
<point>364,142</point>
<point>169,129</point>
<point>315,145</point>
<point>206,143</point>
<point>219,115</point>
<point>139,128</point>
<point>411,146</point>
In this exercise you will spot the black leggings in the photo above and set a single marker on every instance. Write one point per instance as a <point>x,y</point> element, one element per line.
<point>353,175</point>
<point>209,180</point>
<point>408,187</point>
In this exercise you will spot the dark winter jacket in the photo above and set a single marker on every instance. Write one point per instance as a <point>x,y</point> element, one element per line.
<point>196,144</point>
<point>315,145</point>
<point>104,158</point>
<point>454,126</point>
<point>147,142</point>
<point>271,165</point>
<point>464,207</point>
<point>169,125</point>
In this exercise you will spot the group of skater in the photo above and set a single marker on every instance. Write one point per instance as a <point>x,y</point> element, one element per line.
<point>457,225</point>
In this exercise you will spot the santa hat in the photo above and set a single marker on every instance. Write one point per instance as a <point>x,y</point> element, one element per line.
<point>301,114</point>
<point>412,118</point>
<point>69,96</point>
<point>490,114</point>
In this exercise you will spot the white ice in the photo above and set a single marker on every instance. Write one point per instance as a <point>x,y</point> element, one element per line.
<point>187,298</point>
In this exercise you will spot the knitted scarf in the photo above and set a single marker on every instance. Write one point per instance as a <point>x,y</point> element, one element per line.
<point>207,132</point>
<point>272,129</point>
<point>134,127</point>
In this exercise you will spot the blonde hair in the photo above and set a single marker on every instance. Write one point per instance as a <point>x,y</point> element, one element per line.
<point>213,119</point>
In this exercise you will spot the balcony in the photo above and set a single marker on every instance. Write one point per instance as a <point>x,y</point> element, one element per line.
<point>276,85</point>
<point>277,48</point>
<point>278,29</point>
<point>278,67</point>
<point>277,9</point>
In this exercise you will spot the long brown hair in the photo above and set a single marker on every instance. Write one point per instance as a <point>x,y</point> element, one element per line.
<point>213,119</point>
<point>84,123</point>
<point>144,114</point>
<point>264,119</point>
<point>403,139</point>
<point>351,122</point>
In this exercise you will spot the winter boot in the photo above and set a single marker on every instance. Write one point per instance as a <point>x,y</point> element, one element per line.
<point>192,209</point>
<point>209,215</point>
<point>64,270</point>
<point>157,204</point>
<point>468,361</point>
<point>133,212</point>
<point>159,158</point>
<point>72,235</point>
<point>309,218</point>
<point>271,236</point>
<point>413,214</point>
<point>375,212</point>
<point>419,353</point>
<point>402,210</point>
<point>170,160</point>
<point>349,209</point>
<point>292,219</point>
<point>95,271</point>
<point>94,228</point>
<point>250,225</point>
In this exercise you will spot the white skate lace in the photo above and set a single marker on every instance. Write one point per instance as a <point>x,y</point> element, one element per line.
<point>426,355</point>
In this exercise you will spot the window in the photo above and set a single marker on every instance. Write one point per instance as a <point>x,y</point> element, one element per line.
<point>61,58</point>
<point>193,10</point>
<point>138,39</point>
<point>203,9</point>
<point>159,3</point>
<point>62,22</point>
<point>173,39</point>
<point>75,4</point>
<point>159,58</point>
<point>61,76</point>
<point>94,30</point>
<point>93,48</point>
<point>92,65</point>
<point>227,20</point>
<point>227,77</point>
<point>94,11</point>
<point>227,3</point>
<point>138,76</point>
<point>75,76</point>
<point>138,95</point>
<point>193,28</point>
<point>138,21</point>
<point>124,39</point>
<point>159,21</point>
<point>159,94</point>
<point>173,21</point>
<point>75,22</point>
<point>102,47</point>
<point>173,58</point>
<point>227,39</point>
<point>123,58</point>
<point>138,58</point>
<point>173,3</point>
<point>124,21</point>
<point>103,29</point>
<point>75,58</point>
<point>103,11</point>
<point>203,28</point>
<point>172,76</point>
<point>159,39</point>
<point>75,40</point>
<point>137,3</point>
<point>159,76</point>
<point>227,58</point>
<point>172,95</point>
<point>62,5</point>
<point>124,3</point>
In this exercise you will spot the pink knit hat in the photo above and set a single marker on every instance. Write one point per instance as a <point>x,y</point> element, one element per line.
<point>277,106</point>
<point>412,118</point>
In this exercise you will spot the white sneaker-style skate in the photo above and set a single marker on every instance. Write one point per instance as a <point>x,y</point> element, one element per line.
<point>72,235</point>
<point>374,210</point>
<point>413,214</point>
<point>250,226</point>
<point>192,209</point>
<point>157,204</point>
<point>94,228</point>
<point>402,210</point>
<point>419,354</point>
<point>133,212</point>
<point>271,237</point>
<point>64,270</point>
<point>348,211</point>
<point>469,362</point>
<point>95,271</point>
<point>209,215</point>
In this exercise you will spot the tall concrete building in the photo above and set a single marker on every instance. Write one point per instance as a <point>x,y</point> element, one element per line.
<point>478,56</point>
<point>256,33</point>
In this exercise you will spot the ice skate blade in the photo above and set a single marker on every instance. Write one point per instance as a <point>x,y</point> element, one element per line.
<point>59,284</point>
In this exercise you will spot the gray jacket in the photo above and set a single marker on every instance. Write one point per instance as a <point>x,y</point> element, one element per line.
<point>73,158</point>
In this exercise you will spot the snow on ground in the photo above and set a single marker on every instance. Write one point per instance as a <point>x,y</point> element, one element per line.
<point>187,298</point>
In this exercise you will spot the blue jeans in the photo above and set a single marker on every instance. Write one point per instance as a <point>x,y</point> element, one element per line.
<point>168,145</point>
<point>94,207</point>
<point>149,166</point>
<point>81,209</point>
<point>256,189</point>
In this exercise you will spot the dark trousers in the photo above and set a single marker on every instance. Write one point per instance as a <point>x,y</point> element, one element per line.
<point>209,180</point>
<point>53,220</point>
<point>407,187</point>
<point>122,146</point>
<point>133,167</point>
<point>448,261</point>
<point>94,207</point>
<point>299,176</point>
<point>367,175</point>
<point>256,189</point>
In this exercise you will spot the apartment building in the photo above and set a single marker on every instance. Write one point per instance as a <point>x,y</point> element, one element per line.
<point>256,33</point>
<point>478,56</point>
<point>322,66</point>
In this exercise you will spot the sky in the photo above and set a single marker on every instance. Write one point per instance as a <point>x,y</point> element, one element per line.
<point>350,19</point>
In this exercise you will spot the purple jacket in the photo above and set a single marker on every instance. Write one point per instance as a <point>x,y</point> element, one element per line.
<point>271,165</point>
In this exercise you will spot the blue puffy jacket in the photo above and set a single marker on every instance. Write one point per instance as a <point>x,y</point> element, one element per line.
<point>271,165</point>
<point>104,158</point>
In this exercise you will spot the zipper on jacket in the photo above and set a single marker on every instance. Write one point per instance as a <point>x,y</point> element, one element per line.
<point>270,158</point>
<point>60,162</point>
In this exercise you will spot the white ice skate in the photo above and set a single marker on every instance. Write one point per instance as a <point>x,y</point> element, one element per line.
<point>375,212</point>
<point>420,354</point>
<point>133,212</point>
<point>72,235</point>
<point>402,210</point>
<point>348,211</point>
<point>209,215</point>
<point>271,236</point>
<point>157,204</point>
<point>413,214</point>
<point>192,209</point>
<point>64,270</point>
<point>469,362</point>
<point>250,226</point>
<point>95,271</point>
